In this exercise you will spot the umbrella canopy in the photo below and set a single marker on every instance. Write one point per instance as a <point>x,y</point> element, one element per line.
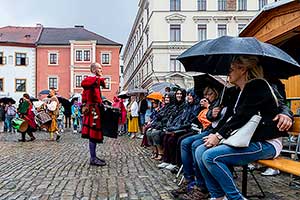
<point>214,56</point>
<point>44,92</point>
<point>137,91</point>
<point>160,87</point>
<point>123,95</point>
<point>155,96</point>
<point>204,80</point>
<point>6,100</point>
<point>32,99</point>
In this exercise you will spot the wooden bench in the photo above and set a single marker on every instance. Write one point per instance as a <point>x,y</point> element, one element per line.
<point>283,164</point>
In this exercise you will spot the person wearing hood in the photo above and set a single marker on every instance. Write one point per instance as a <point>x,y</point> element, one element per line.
<point>154,132</point>
<point>178,127</point>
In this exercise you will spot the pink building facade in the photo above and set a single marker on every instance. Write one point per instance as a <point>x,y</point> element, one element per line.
<point>65,54</point>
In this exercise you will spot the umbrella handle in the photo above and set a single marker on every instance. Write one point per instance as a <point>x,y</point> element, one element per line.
<point>223,92</point>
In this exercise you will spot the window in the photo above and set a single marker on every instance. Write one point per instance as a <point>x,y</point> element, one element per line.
<point>52,82</point>
<point>107,83</point>
<point>240,27</point>
<point>53,59</point>
<point>78,80</point>
<point>242,5</point>
<point>105,58</point>
<point>87,55</point>
<point>78,55</point>
<point>2,59</point>
<point>175,65</point>
<point>222,4</point>
<point>201,4</point>
<point>201,32</point>
<point>20,85</point>
<point>21,59</point>
<point>175,32</point>
<point>262,3</point>
<point>175,5</point>
<point>222,30</point>
<point>1,85</point>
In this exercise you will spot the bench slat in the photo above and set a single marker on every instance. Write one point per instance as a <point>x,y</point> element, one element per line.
<point>283,164</point>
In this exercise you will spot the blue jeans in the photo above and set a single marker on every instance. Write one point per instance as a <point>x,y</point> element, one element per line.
<point>188,147</point>
<point>8,122</point>
<point>214,162</point>
<point>142,119</point>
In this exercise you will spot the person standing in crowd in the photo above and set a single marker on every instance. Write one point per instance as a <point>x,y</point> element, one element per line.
<point>53,111</point>
<point>133,123</point>
<point>25,112</point>
<point>2,117</point>
<point>61,118</point>
<point>118,103</point>
<point>91,108</point>
<point>143,106</point>
<point>76,116</point>
<point>10,113</point>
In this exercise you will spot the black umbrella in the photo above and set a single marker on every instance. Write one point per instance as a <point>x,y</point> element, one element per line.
<point>214,56</point>
<point>123,95</point>
<point>204,80</point>
<point>6,100</point>
<point>64,102</point>
<point>32,99</point>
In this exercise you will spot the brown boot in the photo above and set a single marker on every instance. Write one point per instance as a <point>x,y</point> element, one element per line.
<point>183,189</point>
<point>196,193</point>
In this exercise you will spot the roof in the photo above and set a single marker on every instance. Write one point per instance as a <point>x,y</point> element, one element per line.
<point>62,36</point>
<point>22,35</point>
<point>266,8</point>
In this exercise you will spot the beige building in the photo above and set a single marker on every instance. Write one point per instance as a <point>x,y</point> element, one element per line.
<point>163,29</point>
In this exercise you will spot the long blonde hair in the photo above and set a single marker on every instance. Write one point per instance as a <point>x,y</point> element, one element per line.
<point>254,69</point>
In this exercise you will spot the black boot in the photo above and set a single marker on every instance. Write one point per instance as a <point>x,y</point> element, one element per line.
<point>32,138</point>
<point>22,137</point>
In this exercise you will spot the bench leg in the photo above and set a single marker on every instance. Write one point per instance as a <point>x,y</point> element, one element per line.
<point>245,183</point>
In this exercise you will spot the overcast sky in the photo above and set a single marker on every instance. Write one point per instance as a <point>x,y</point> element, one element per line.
<point>110,18</point>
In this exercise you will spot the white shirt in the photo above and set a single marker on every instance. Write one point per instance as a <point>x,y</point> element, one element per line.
<point>134,109</point>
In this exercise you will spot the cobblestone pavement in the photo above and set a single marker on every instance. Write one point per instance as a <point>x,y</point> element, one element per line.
<point>50,170</point>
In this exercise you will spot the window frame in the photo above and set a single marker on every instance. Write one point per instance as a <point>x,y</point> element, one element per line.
<point>242,5</point>
<point>175,5</point>
<point>109,58</point>
<point>176,63</point>
<point>51,86</point>
<point>26,59</point>
<point>202,27</point>
<point>81,77</point>
<point>49,58</point>
<point>24,79</point>
<point>262,3</point>
<point>222,5</point>
<point>2,58</point>
<point>219,28</point>
<point>202,5</point>
<point>107,77</point>
<point>175,32</point>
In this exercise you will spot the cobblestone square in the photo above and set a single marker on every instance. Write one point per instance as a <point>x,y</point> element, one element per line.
<point>60,170</point>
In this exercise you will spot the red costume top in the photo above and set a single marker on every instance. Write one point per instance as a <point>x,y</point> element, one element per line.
<point>91,97</point>
<point>118,103</point>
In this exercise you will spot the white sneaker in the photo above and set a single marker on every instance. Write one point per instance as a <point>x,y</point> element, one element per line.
<point>251,167</point>
<point>163,165</point>
<point>171,167</point>
<point>75,131</point>
<point>270,172</point>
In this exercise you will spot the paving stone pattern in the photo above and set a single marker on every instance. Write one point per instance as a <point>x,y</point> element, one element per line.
<point>43,170</point>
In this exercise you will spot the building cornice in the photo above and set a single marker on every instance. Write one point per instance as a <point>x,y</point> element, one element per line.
<point>175,18</point>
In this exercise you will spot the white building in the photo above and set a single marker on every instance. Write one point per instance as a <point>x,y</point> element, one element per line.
<point>18,61</point>
<point>163,29</point>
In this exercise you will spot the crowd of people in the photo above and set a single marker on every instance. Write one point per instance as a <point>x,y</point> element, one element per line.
<point>184,129</point>
<point>188,130</point>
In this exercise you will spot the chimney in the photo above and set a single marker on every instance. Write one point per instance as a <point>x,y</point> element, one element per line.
<point>39,25</point>
<point>27,36</point>
<point>79,26</point>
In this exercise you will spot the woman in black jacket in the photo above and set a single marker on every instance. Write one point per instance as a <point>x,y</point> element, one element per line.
<point>255,97</point>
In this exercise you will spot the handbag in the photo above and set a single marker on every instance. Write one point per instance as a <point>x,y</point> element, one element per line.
<point>241,137</point>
